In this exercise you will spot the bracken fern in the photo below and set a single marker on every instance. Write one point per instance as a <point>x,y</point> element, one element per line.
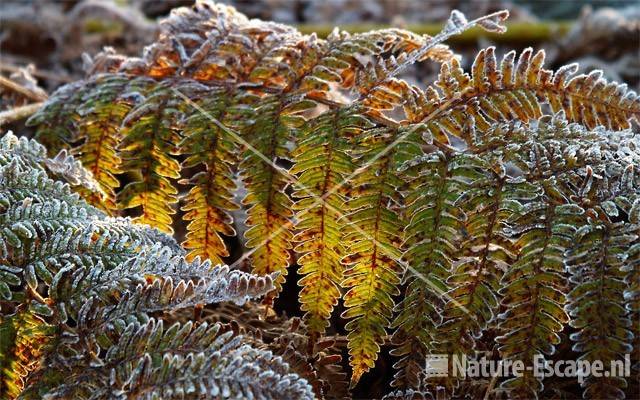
<point>495,209</point>
<point>83,297</point>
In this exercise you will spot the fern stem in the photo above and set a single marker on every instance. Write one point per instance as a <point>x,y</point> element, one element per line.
<point>19,113</point>
<point>517,32</point>
<point>26,92</point>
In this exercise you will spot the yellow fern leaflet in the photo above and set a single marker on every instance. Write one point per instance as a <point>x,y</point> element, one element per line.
<point>150,138</point>
<point>322,162</point>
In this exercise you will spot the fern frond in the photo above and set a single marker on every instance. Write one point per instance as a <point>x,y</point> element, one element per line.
<point>193,41</point>
<point>274,55</point>
<point>486,253</point>
<point>602,253</point>
<point>40,260</point>
<point>103,278</point>
<point>57,118</point>
<point>632,299</point>
<point>373,235</point>
<point>596,304</point>
<point>19,184</point>
<point>149,361</point>
<point>518,91</point>
<point>191,24</point>
<point>322,162</point>
<point>430,238</point>
<point>210,199</point>
<point>30,152</point>
<point>28,221</point>
<point>534,287</point>
<point>169,283</point>
<point>24,153</point>
<point>150,138</point>
<point>213,285</point>
<point>319,363</point>
<point>23,337</point>
<point>269,211</point>
<point>99,127</point>
<point>631,268</point>
<point>66,166</point>
<point>363,62</point>
<point>378,81</point>
<point>555,148</point>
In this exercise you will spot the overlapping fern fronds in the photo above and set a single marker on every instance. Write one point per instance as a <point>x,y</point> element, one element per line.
<point>534,286</point>
<point>78,291</point>
<point>492,198</point>
<point>437,215</point>
<point>431,236</point>
<point>602,255</point>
